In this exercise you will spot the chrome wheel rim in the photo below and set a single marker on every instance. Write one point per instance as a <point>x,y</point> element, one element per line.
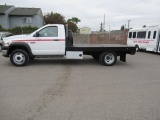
<point>18,58</point>
<point>109,58</point>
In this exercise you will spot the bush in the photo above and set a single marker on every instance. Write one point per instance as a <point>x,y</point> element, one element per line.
<point>2,29</point>
<point>18,30</point>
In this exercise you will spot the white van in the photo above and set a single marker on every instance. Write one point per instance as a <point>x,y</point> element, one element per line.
<point>145,38</point>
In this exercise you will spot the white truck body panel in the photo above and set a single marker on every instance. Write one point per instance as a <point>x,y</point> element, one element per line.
<point>146,38</point>
<point>74,54</point>
<point>44,45</point>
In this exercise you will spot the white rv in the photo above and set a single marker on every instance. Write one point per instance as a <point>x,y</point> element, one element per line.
<point>145,38</point>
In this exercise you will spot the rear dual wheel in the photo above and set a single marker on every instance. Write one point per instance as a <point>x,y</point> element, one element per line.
<point>108,58</point>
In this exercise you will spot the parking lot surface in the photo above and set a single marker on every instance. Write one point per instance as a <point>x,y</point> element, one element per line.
<point>59,89</point>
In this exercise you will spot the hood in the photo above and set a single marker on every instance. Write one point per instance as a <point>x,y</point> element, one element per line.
<point>14,37</point>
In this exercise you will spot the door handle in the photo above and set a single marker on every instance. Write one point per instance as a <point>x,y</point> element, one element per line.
<point>33,42</point>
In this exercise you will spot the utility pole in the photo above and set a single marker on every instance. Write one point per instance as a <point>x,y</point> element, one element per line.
<point>104,23</point>
<point>109,31</point>
<point>128,23</point>
<point>109,35</point>
<point>101,27</point>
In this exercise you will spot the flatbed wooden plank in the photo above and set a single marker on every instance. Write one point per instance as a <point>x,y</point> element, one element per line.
<point>100,45</point>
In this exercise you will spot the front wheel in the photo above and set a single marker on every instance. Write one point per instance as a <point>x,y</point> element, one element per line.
<point>19,57</point>
<point>108,58</point>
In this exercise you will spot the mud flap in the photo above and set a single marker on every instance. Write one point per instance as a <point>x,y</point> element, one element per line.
<point>123,57</point>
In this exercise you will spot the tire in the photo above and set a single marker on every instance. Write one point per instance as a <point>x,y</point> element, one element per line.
<point>137,48</point>
<point>19,57</point>
<point>96,57</point>
<point>32,58</point>
<point>108,58</point>
<point>0,47</point>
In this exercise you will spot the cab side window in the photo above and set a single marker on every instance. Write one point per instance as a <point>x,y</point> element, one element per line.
<point>51,31</point>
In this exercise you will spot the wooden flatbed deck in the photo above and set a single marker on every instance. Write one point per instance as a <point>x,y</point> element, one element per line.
<point>102,47</point>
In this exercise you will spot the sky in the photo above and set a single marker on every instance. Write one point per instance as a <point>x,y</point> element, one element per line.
<point>91,12</point>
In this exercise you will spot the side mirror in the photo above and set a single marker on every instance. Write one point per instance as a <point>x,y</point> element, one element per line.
<point>37,34</point>
<point>9,35</point>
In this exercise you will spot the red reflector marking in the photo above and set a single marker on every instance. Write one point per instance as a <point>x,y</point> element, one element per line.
<point>42,40</point>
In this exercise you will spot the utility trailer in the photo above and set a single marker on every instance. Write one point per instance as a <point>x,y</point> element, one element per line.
<point>56,40</point>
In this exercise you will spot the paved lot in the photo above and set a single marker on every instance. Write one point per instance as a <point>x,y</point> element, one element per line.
<point>55,89</point>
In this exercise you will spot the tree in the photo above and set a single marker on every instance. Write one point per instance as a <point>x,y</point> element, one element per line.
<point>144,26</point>
<point>75,20</point>
<point>101,27</point>
<point>122,27</point>
<point>72,23</point>
<point>54,18</point>
<point>72,26</point>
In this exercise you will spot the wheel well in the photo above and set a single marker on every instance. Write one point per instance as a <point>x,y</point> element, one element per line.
<point>17,47</point>
<point>137,45</point>
<point>117,53</point>
<point>100,52</point>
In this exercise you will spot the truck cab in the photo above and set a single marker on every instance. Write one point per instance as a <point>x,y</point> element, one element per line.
<point>48,40</point>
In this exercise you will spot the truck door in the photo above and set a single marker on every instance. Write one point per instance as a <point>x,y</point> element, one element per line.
<point>46,41</point>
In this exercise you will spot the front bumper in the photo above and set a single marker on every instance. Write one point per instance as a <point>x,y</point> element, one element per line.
<point>5,51</point>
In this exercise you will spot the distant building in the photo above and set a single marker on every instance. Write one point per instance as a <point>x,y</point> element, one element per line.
<point>4,15</point>
<point>11,17</point>
<point>85,30</point>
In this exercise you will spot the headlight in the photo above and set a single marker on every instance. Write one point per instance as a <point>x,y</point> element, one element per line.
<point>6,43</point>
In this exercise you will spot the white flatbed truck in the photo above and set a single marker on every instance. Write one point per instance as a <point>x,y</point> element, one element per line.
<point>55,40</point>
